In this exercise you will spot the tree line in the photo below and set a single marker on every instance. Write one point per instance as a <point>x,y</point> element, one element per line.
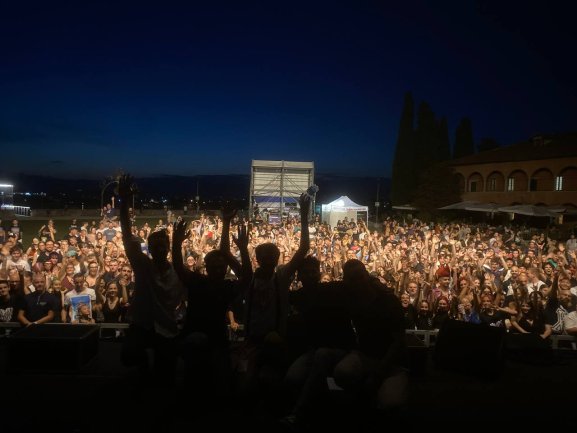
<point>421,175</point>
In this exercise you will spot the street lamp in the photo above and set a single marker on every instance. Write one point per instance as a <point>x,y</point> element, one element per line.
<point>197,197</point>
<point>377,203</point>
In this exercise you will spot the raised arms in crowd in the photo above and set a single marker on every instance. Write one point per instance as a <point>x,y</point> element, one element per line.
<point>300,254</point>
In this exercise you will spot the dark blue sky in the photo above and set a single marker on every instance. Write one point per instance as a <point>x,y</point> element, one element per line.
<point>188,88</point>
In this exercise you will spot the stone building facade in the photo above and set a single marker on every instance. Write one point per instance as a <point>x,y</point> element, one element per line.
<point>540,171</point>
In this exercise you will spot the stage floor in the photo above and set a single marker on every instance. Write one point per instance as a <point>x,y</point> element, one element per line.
<point>106,397</point>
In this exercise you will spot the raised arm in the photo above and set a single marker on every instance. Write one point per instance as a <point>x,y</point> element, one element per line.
<point>227,215</point>
<point>179,234</point>
<point>100,299</point>
<point>503,262</point>
<point>52,231</point>
<point>300,254</point>
<point>125,192</point>
<point>241,242</point>
<point>126,189</point>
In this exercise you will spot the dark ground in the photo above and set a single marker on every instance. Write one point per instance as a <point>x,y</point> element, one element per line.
<point>103,396</point>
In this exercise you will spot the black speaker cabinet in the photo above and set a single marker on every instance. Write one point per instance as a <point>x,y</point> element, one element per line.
<point>418,354</point>
<point>529,348</point>
<point>54,347</point>
<point>471,349</point>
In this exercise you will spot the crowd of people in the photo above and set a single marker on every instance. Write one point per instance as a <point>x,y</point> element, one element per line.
<point>311,301</point>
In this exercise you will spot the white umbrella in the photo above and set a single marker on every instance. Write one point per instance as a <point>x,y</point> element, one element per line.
<point>462,205</point>
<point>530,210</point>
<point>557,208</point>
<point>483,207</point>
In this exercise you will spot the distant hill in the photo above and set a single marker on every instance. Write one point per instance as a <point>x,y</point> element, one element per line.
<point>177,189</point>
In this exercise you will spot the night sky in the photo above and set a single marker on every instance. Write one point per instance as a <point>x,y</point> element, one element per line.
<point>205,87</point>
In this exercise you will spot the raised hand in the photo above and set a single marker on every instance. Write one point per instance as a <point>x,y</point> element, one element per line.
<point>180,233</point>
<point>126,187</point>
<point>242,238</point>
<point>305,203</point>
<point>228,213</point>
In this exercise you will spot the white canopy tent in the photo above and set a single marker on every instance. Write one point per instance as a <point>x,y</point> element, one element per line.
<point>341,208</point>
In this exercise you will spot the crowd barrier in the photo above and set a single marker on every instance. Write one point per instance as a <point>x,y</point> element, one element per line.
<point>558,342</point>
<point>563,342</point>
<point>10,327</point>
<point>427,337</point>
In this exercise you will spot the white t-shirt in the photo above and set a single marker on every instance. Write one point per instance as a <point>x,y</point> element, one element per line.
<point>531,287</point>
<point>570,321</point>
<point>21,264</point>
<point>571,244</point>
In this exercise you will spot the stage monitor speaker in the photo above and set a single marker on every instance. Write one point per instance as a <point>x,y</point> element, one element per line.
<point>52,347</point>
<point>470,349</point>
<point>418,355</point>
<point>529,348</point>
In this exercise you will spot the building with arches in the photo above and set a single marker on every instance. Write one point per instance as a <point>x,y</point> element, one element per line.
<point>540,171</point>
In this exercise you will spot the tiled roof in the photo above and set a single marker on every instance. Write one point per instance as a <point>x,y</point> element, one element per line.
<point>539,147</point>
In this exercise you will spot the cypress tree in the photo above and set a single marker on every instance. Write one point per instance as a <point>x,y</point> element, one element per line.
<point>437,187</point>
<point>402,172</point>
<point>444,149</point>
<point>426,137</point>
<point>464,144</point>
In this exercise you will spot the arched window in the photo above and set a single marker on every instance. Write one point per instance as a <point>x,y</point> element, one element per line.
<point>517,181</point>
<point>567,180</point>
<point>475,183</point>
<point>496,182</point>
<point>542,180</point>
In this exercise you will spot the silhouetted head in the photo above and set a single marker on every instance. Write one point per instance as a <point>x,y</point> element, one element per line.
<point>267,256</point>
<point>215,264</point>
<point>159,245</point>
<point>309,271</point>
<point>354,272</point>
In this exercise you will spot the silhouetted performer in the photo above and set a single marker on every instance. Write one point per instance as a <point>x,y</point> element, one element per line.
<point>204,341</point>
<point>376,371</point>
<point>323,308</point>
<point>158,293</point>
<point>267,308</point>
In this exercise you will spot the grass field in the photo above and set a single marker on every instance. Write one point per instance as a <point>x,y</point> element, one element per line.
<point>30,226</point>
